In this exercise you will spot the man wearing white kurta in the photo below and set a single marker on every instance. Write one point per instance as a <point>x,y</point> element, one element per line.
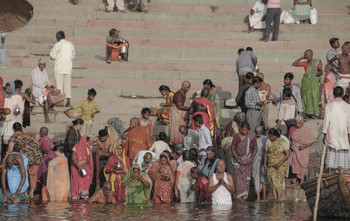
<point>257,15</point>
<point>336,127</point>
<point>62,54</point>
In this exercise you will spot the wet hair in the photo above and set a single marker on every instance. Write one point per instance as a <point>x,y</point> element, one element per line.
<point>169,154</point>
<point>249,49</point>
<point>44,130</point>
<point>102,133</point>
<point>92,92</point>
<point>18,84</point>
<point>194,156</point>
<point>162,136</point>
<point>205,92</point>
<point>257,80</point>
<point>287,92</point>
<point>289,75</point>
<point>245,125</point>
<point>332,41</point>
<point>60,35</point>
<point>209,83</point>
<point>111,32</point>
<point>17,127</point>
<point>78,121</point>
<point>186,156</point>
<point>274,132</point>
<point>145,110</point>
<point>212,161</point>
<point>59,148</point>
<point>338,91</point>
<point>239,118</point>
<point>249,75</point>
<point>198,118</point>
<point>197,171</point>
<point>10,158</point>
<point>240,51</point>
<point>164,88</point>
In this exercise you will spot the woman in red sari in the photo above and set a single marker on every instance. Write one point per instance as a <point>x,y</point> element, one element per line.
<point>116,168</point>
<point>164,112</point>
<point>81,159</point>
<point>163,179</point>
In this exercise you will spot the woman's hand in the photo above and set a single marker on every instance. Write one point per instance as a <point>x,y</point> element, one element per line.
<point>277,166</point>
<point>176,192</point>
<point>266,169</point>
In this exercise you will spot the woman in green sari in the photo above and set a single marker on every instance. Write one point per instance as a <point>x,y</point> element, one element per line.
<point>310,92</point>
<point>137,186</point>
<point>214,98</point>
<point>301,10</point>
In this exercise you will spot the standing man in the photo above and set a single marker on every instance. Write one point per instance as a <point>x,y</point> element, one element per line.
<point>288,79</point>
<point>334,42</point>
<point>204,136</point>
<point>343,60</point>
<point>62,54</point>
<point>273,14</point>
<point>245,63</point>
<point>240,98</point>
<point>254,104</point>
<point>3,51</point>
<point>336,129</point>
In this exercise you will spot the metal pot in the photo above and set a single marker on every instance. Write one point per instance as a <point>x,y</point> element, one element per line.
<point>83,172</point>
<point>123,49</point>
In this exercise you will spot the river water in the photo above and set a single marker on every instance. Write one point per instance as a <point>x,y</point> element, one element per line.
<point>80,210</point>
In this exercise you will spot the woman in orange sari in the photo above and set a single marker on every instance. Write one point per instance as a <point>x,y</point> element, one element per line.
<point>81,159</point>
<point>164,112</point>
<point>163,179</point>
<point>116,168</point>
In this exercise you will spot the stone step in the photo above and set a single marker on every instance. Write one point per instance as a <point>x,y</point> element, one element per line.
<point>209,26</point>
<point>65,21</point>
<point>189,17</point>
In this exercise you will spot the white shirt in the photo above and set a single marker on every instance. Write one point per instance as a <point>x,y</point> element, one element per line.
<point>191,139</point>
<point>204,139</point>
<point>336,124</point>
<point>260,8</point>
<point>62,54</point>
<point>38,82</point>
<point>11,103</point>
<point>158,147</point>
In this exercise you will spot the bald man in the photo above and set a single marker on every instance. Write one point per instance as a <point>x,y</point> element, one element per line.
<point>264,93</point>
<point>136,140</point>
<point>179,113</point>
<point>104,195</point>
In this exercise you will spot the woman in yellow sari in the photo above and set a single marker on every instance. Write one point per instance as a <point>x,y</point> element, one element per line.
<point>116,168</point>
<point>276,162</point>
<point>164,112</point>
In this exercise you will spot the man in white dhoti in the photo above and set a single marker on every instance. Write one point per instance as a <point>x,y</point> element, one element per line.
<point>257,15</point>
<point>336,128</point>
<point>119,4</point>
<point>62,54</point>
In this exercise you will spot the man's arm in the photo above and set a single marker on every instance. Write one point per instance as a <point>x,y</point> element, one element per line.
<point>95,197</point>
<point>335,58</point>
<point>212,188</point>
<point>230,185</point>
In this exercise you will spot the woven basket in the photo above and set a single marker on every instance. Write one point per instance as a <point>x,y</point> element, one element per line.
<point>74,114</point>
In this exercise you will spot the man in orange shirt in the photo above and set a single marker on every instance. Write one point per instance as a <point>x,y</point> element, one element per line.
<point>136,140</point>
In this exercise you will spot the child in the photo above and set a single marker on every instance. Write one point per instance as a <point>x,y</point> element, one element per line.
<point>200,184</point>
<point>327,89</point>
<point>90,109</point>
<point>159,146</point>
<point>287,110</point>
<point>145,121</point>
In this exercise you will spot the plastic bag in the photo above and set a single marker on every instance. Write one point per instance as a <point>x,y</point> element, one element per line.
<point>313,16</point>
<point>288,18</point>
<point>282,16</point>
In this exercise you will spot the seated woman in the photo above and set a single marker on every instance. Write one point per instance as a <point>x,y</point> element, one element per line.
<point>116,168</point>
<point>137,186</point>
<point>81,159</point>
<point>16,173</point>
<point>114,44</point>
<point>276,162</point>
<point>257,15</point>
<point>163,179</point>
<point>183,179</point>
<point>210,162</point>
<point>301,10</point>
<point>164,112</point>
<point>200,185</point>
<point>58,181</point>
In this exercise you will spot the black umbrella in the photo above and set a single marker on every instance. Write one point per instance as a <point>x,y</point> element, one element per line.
<point>14,14</point>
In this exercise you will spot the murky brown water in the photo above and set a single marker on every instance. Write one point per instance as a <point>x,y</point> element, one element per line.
<point>80,210</point>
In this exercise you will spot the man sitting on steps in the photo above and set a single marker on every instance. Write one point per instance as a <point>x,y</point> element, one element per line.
<point>115,43</point>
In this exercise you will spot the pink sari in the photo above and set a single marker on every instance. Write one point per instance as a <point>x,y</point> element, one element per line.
<point>80,185</point>
<point>299,159</point>
<point>46,144</point>
<point>327,90</point>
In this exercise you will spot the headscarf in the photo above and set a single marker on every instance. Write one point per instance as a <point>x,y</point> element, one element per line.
<point>12,85</point>
<point>123,157</point>
<point>42,61</point>
<point>2,93</point>
<point>80,148</point>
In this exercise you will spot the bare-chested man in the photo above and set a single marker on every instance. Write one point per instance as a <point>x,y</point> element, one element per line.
<point>343,66</point>
<point>104,195</point>
<point>264,92</point>
<point>105,150</point>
